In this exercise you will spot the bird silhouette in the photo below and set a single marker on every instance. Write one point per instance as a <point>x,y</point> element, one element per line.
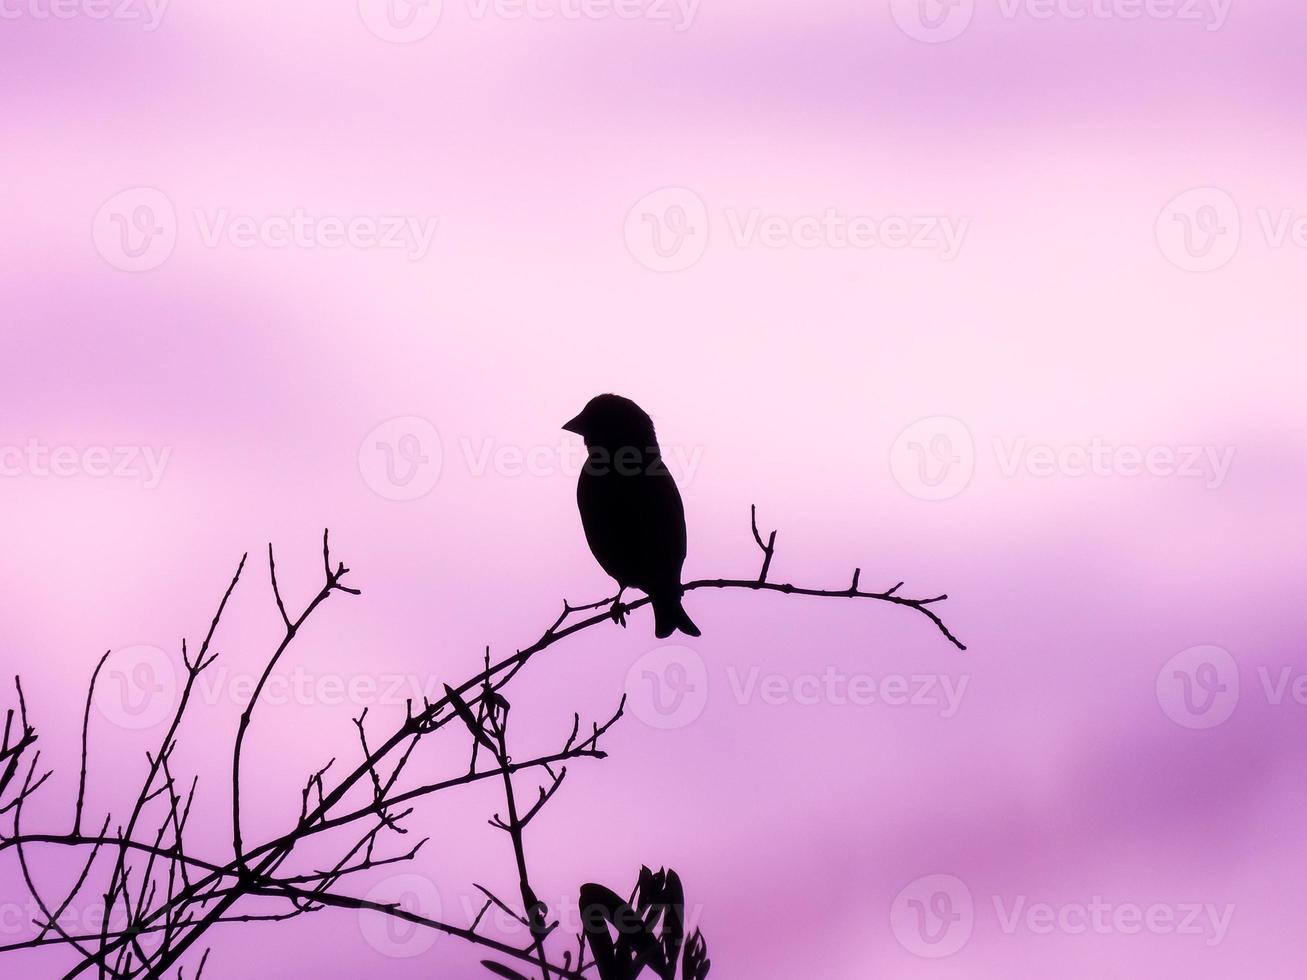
<point>631,510</point>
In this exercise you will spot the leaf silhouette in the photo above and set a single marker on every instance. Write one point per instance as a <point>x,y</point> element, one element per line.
<point>665,896</point>
<point>464,712</point>
<point>649,930</point>
<point>599,907</point>
<point>696,963</point>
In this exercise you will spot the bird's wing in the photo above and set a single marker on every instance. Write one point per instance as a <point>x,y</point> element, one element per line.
<point>635,526</point>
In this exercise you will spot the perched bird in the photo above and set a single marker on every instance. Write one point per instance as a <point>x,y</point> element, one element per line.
<point>631,509</point>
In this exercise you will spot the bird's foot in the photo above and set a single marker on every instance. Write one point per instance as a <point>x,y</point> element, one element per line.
<point>618,612</point>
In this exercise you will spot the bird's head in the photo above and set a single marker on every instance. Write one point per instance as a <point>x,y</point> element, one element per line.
<point>613,422</point>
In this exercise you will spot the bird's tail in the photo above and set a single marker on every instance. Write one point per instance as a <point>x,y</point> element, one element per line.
<point>670,616</point>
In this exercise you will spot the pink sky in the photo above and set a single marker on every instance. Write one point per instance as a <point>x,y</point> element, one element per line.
<point>1124,404</point>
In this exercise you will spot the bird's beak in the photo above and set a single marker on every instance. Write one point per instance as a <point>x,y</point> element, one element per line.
<point>573,426</point>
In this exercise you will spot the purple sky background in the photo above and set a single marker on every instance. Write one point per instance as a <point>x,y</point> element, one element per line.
<point>786,377</point>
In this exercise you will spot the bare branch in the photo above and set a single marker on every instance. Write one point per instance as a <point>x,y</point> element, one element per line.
<point>86,724</point>
<point>768,549</point>
<point>176,897</point>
